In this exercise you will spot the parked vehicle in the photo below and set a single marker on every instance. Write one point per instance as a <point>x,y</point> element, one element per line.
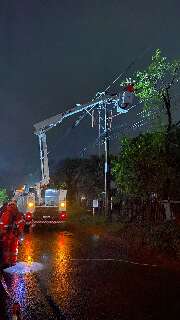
<point>51,208</point>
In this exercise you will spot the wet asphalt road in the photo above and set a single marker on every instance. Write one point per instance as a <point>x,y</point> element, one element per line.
<point>74,285</point>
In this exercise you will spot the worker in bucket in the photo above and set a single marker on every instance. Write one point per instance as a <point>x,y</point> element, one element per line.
<point>128,96</point>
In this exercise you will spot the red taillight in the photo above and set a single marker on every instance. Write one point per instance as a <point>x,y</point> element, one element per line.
<point>28,216</point>
<point>63,215</point>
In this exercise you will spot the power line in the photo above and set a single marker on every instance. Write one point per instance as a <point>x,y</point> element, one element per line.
<point>118,129</point>
<point>77,122</point>
<point>133,62</point>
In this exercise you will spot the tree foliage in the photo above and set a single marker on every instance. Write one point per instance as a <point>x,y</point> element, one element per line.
<point>142,167</point>
<point>153,86</point>
<point>150,83</point>
<point>148,163</point>
<point>3,196</point>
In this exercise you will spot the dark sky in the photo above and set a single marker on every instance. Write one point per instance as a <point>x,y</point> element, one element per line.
<point>55,53</point>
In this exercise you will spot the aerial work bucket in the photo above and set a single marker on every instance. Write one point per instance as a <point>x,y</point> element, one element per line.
<point>127,99</point>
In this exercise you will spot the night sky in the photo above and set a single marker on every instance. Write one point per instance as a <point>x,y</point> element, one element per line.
<point>55,53</point>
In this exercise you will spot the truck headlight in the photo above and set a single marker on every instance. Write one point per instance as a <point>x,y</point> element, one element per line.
<point>62,204</point>
<point>30,204</point>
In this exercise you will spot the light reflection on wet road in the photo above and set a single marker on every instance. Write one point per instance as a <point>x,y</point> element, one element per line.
<point>69,287</point>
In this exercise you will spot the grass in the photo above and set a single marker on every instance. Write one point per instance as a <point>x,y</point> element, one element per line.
<point>83,220</point>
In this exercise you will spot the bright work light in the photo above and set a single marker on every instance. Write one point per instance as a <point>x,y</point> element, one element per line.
<point>30,204</point>
<point>62,204</point>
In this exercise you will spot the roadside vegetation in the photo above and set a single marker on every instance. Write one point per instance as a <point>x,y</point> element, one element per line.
<point>3,196</point>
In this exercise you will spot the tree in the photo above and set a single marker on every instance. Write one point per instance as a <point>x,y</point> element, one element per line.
<point>3,196</point>
<point>140,164</point>
<point>156,88</point>
<point>141,168</point>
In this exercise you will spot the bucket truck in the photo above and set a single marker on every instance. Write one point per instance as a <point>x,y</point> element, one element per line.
<point>117,103</point>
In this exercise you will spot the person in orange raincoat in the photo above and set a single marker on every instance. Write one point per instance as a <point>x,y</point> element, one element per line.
<point>11,227</point>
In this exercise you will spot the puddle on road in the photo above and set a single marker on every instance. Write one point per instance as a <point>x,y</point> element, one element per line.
<point>24,267</point>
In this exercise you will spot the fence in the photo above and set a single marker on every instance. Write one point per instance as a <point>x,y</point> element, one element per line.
<point>140,210</point>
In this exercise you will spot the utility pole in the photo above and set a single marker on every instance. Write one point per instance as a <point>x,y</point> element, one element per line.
<point>107,169</point>
<point>99,133</point>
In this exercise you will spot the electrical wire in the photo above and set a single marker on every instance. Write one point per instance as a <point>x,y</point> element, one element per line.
<point>116,130</point>
<point>77,122</point>
<point>139,57</point>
